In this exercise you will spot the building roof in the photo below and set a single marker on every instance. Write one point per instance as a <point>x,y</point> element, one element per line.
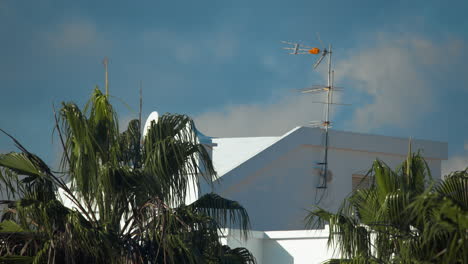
<point>230,154</point>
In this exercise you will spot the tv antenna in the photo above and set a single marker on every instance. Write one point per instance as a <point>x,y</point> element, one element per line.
<point>296,49</point>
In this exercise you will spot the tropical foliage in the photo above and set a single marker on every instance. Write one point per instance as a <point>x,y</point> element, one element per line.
<point>404,217</point>
<point>116,199</point>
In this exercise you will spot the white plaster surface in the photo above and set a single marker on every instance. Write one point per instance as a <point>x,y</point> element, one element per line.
<point>231,152</point>
<point>284,247</point>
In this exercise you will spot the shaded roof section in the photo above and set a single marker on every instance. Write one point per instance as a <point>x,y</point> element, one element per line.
<point>232,153</point>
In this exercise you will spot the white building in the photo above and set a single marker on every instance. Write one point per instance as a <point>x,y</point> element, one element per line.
<point>276,179</point>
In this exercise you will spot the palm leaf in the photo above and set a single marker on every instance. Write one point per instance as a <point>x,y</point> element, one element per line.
<point>12,259</point>
<point>226,213</point>
<point>236,256</point>
<point>19,163</point>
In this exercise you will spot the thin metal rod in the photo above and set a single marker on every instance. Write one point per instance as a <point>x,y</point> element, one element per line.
<point>106,63</point>
<point>141,104</point>
<point>327,116</point>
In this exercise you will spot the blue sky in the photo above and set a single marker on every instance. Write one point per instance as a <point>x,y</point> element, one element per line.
<point>403,65</point>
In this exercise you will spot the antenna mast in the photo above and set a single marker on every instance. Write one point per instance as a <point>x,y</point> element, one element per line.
<point>327,119</point>
<point>141,104</point>
<point>106,64</point>
<point>297,48</point>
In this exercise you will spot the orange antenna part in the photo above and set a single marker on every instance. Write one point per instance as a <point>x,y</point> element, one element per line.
<point>314,51</point>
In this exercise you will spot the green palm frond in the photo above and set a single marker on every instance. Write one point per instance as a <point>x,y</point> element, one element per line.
<point>19,163</point>
<point>127,195</point>
<point>236,256</point>
<point>455,187</point>
<point>403,218</point>
<point>10,227</point>
<point>10,184</point>
<point>14,259</point>
<point>226,213</point>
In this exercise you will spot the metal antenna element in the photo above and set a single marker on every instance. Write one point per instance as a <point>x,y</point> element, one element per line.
<point>106,64</point>
<point>297,48</point>
<point>141,104</point>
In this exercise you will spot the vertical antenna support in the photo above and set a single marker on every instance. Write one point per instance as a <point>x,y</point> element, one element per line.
<point>330,84</point>
<point>327,117</point>
<point>106,63</point>
<point>141,104</point>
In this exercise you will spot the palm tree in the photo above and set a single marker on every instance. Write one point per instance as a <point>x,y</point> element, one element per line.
<point>404,217</point>
<point>127,197</point>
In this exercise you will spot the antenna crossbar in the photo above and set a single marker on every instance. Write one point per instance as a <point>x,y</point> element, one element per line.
<point>318,89</point>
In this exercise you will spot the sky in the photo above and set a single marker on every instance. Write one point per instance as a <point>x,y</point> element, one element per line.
<point>402,64</point>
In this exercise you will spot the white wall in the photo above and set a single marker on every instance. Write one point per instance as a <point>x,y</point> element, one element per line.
<point>255,242</point>
<point>284,247</point>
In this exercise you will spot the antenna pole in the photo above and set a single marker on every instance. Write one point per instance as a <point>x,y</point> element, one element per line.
<point>327,116</point>
<point>106,63</point>
<point>141,103</point>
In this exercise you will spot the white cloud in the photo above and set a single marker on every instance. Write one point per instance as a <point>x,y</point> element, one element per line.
<point>260,119</point>
<point>270,62</point>
<point>223,44</point>
<point>74,35</point>
<point>218,45</point>
<point>455,163</point>
<point>124,120</point>
<point>185,53</point>
<point>393,72</point>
